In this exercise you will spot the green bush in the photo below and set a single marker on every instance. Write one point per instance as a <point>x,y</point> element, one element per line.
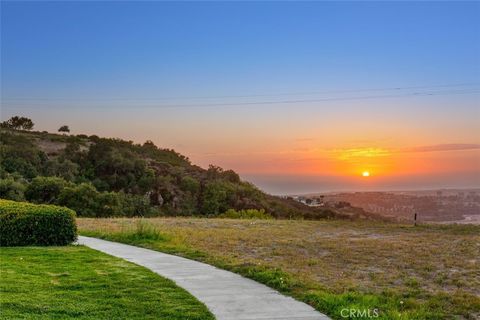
<point>82,198</point>
<point>145,231</point>
<point>11,189</point>
<point>216,197</point>
<point>246,214</point>
<point>88,202</point>
<point>45,189</point>
<point>25,224</point>
<point>108,204</point>
<point>134,206</point>
<point>61,167</point>
<point>190,184</point>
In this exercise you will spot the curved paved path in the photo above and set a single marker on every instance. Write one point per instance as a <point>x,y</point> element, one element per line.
<point>227,295</point>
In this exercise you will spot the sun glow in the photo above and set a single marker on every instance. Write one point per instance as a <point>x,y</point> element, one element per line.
<point>366,174</point>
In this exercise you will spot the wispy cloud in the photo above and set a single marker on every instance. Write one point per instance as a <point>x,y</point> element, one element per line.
<point>347,154</point>
<point>375,152</point>
<point>443,147</point>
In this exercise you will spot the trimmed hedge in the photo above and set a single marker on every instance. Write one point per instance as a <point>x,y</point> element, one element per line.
<point>26,224</point>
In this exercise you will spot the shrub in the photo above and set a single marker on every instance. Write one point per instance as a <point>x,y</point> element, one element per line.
<point>24,224</point>
<point>134,206</point>
<point>88,202</point>
<point>144,230</point>
<point>108,204</point>
<point>45,189</point>
<point>61,167</point>
<point>246,214</point>
<point>83,198</point>
<point>18,153</point>
<point>190,184</point>
<point>216,196</point>
<point>11,189</point>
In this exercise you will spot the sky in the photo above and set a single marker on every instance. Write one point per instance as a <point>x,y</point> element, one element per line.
<point>295,96</point>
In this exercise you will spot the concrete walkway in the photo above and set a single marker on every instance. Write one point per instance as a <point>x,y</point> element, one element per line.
<point>227,295</point>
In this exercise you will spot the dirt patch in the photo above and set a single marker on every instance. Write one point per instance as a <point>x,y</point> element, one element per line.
<point>51,147</point>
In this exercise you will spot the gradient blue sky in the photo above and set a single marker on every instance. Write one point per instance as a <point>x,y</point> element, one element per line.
<point>122,69</point>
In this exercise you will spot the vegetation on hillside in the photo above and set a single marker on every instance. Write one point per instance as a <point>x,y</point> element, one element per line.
<point>76,282</point>
<point>102,177</point>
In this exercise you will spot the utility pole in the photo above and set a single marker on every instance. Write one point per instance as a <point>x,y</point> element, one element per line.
<point>415,219</point>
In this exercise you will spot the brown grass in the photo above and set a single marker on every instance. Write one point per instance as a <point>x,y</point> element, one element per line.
<point>336,256</point>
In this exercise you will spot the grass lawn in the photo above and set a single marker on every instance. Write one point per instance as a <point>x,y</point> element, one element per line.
<point>406,272</point>
<point>78,282</point>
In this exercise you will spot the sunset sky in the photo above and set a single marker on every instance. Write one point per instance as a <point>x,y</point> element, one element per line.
<point>296,97</point>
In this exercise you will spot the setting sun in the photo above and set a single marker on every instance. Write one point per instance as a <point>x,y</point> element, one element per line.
<point>366,174</point>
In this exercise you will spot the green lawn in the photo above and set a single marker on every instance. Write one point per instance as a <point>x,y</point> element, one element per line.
<point>81,283</point>
<point>426,272</point>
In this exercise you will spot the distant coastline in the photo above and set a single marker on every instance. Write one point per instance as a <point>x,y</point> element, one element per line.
<point>435,205</point>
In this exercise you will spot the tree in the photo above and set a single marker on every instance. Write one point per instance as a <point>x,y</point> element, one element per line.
<point>88,202</point>
<point>217,197</point>
<point>17,123</point>
<point>82,198</point>
<point>64,129</point>
<point>190,184</point>
<point>118,168</point>
<point>61,167</point>
<point>231,176</point>
<point>45,189</point>
<point>11,189</point>
<point>18,153</point>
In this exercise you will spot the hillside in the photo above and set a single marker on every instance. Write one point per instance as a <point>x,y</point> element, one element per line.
<point>112,177</point>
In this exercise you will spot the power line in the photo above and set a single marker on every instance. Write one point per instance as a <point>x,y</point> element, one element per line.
<point>330,99</point>
<point>314,100</point>
<point>250,95</point>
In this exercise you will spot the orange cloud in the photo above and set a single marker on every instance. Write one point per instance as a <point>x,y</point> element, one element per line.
<point>381,162</point>
<point>444,147</point>
<point>356,153</point>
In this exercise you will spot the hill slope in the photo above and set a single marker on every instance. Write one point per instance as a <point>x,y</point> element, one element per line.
<point>112,177</point>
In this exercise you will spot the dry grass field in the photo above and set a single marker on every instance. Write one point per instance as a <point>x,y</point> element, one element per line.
<point>405,272</point>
